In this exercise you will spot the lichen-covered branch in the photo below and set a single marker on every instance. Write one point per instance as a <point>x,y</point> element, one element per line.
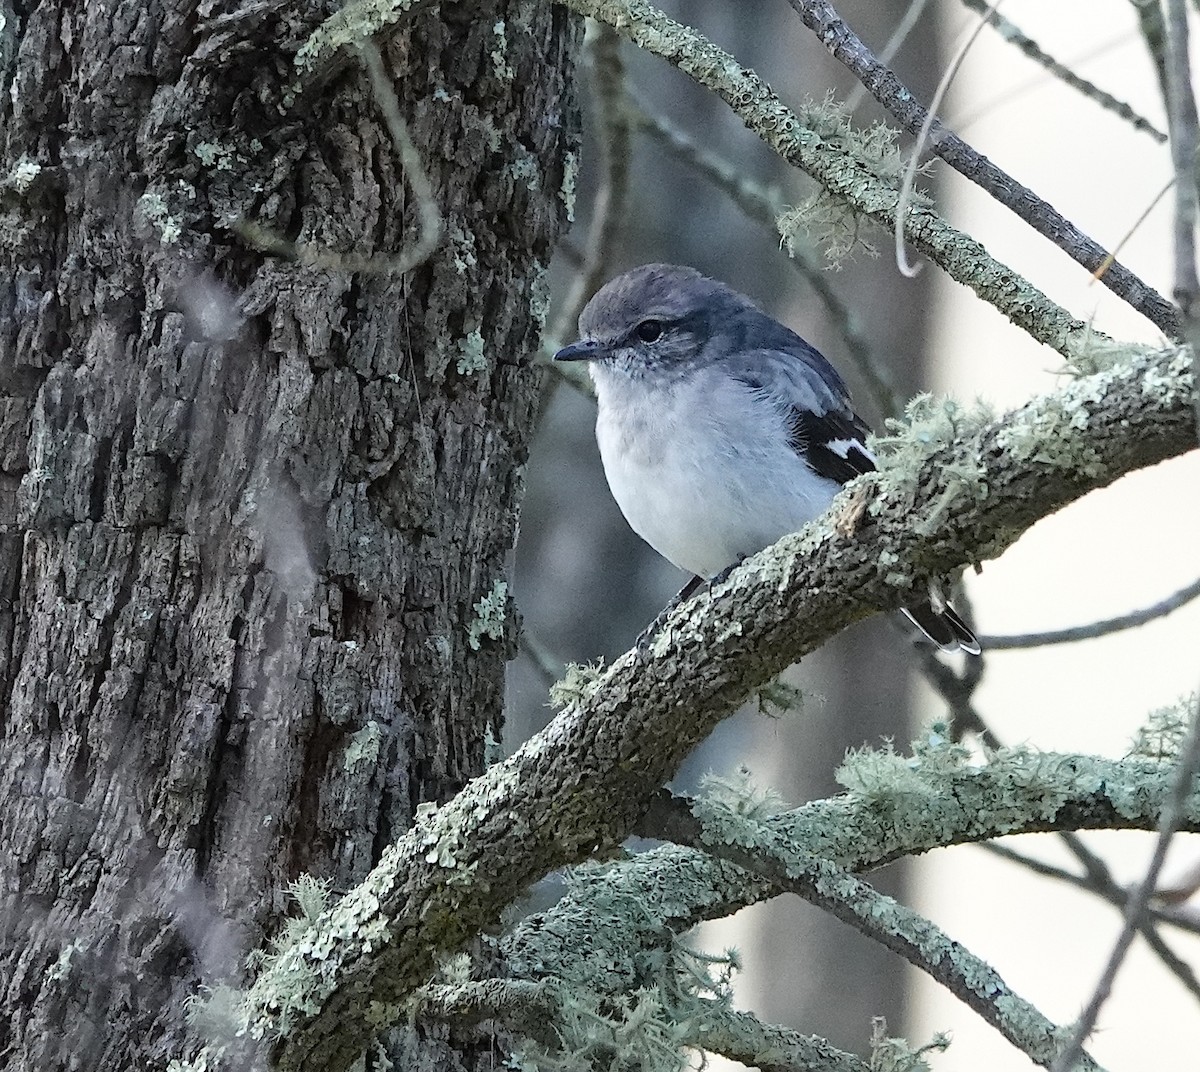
<point>838,169</point>
<point>617,915</point>
<point>721,831</point>
<point>956,490</point>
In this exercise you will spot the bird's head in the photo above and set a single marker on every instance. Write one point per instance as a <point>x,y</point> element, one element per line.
<point>659,320</point>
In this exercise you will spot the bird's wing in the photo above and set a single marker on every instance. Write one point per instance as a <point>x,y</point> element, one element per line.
<point>825,430</point>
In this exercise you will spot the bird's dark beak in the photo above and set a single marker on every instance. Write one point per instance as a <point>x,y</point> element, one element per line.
<point>584,350</point>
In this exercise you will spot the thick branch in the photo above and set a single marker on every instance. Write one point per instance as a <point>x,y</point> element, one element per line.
<point>641,905</point>
<point>584,781</point>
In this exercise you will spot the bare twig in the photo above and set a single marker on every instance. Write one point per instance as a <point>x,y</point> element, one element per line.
<point>1135,906</point>
<point>1103,627</point>
<point>1030,48</point>
<point>904,27</point>
<point>883,85</point>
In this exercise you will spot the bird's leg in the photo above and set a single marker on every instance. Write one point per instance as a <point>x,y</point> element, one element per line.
<point>682,596</point>
<point>678,599</point>
<point>724,574</point>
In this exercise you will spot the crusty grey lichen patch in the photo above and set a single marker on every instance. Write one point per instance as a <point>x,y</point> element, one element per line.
<point>489,616</point>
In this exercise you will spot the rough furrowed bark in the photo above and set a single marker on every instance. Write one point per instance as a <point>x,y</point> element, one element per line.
<point>248,508</point>
<point>583,782</point>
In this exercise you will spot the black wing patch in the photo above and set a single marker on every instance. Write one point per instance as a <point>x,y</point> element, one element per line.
<point>833,443</point>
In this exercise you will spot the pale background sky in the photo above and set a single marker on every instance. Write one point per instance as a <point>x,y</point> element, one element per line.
<point>1118,549</point>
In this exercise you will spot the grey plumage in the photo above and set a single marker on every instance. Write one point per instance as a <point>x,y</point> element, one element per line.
<point>720,429</point>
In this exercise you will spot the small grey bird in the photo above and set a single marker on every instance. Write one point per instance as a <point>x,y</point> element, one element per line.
<point>720,429</point>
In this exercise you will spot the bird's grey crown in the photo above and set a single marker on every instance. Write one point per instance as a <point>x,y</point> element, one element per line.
<point>704,321</point>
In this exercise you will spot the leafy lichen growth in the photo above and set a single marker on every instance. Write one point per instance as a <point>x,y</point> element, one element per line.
<point>356,21</point>
<point>471,356</point>
<point>566,191</point>
<point>154,210</point>
<point>499,52</point>
<point>363,746</point>
<point>889,1054</point>
<point>578,684</point>
<point>21,175</point>
<point>1162,735</point>
<point>827,219</point>
<point>490,613</point>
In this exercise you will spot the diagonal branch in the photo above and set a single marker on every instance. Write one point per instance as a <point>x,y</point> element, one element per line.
<point>837,169</point>
<point>617,916</point>
<point>846,47</point>
<point>584,781</point>
<point>765,852</point>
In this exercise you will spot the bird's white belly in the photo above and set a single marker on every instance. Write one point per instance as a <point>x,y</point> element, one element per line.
<point>702,498</point>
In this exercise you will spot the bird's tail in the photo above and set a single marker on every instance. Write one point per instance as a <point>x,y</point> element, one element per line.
<point>944,627</point>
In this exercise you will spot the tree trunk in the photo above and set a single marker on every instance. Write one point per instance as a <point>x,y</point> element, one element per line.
<point>248,506</point>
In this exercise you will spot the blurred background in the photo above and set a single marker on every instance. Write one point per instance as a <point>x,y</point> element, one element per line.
<point>586,585</point>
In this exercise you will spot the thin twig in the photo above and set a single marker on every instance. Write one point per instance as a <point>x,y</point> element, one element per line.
<point>613,123</point>
<point>1116,251</point>
<point>900,103</point>
<point>1135,906</point>
<point>957,691</point>
<point>910,173</point>
<point>1103,627</point>
<point>1030,48</point>
<point>429,219</point>
<point>1117,896</point>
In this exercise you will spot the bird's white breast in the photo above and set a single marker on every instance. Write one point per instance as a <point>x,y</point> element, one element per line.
<point>701,467</point>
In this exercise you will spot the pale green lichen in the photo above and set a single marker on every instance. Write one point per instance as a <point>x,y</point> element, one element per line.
<point>498,53</point>
<point>736,798</point>
<point>1164,388</point>
<point>828,220</point>
<point>217,1014</point>
<point>471,356</point>
<point>493,748</point>
<point>1165,728</point>
<point>778,697</point>
<point>578,684</point>
<point>21,175</point>
<point>891,1054</point>
<point>490,613</point>
<point>61,968</point>
<point>356,21</point>
<point>461,244</point>
<point>215,154</point>
<point>525,170</point>
<point>363,747</point>
<point>539,296</point>
<point>566,191</point>
<point>153,209</point>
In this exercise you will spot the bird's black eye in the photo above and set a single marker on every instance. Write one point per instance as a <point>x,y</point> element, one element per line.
<point>649,330</point>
